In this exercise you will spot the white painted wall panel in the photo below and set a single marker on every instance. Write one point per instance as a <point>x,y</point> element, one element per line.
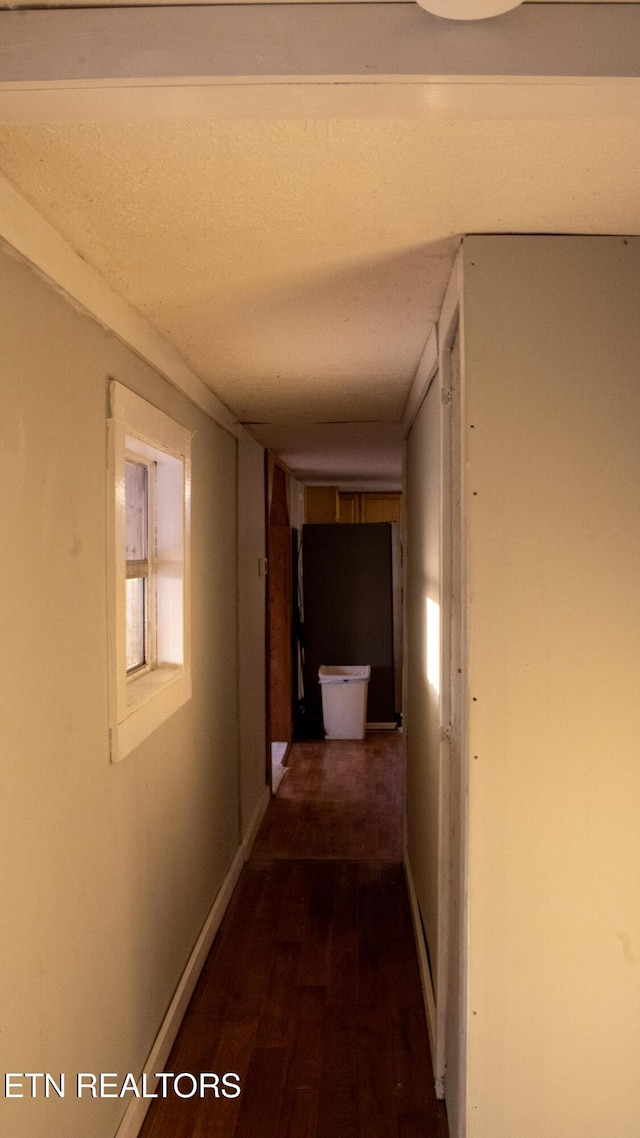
<point>552,423</point>
<point>422,719</point>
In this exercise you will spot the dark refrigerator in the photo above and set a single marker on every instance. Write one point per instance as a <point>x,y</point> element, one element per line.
<point>348,608</point>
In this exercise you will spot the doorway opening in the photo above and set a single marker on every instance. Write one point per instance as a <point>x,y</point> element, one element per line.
<point>279,652</point>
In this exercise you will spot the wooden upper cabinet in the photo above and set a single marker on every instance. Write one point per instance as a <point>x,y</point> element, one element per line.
<point>320,505</point>
<point>326,504</point>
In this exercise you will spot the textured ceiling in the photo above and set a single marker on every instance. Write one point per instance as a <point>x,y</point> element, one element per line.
<point>298,266</point>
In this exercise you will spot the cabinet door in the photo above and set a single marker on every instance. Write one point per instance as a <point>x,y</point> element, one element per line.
<point>348,508</point>
<point>321,503</point>
<point>380,508</point>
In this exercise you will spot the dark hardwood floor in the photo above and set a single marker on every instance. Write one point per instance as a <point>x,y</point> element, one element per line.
<point>338,799</point>
<point>311,992</point>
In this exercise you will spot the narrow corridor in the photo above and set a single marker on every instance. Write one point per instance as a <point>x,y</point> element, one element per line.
<point>311,992</point>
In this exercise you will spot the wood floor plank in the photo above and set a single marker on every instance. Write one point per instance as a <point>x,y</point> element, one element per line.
<point>376,1074</point>
<point>262,1097</point>
<point>373,941</point>
<point>343,960</point>
<point>305,1063</point>
<point>277,1021</point>
<point>377,1113</point>
<point>316,946</point>
<point>338,1097</point>
<point>295,904</point>
<point>416,1126</point>
<point>411,1058</point>
<point>300,1114</point>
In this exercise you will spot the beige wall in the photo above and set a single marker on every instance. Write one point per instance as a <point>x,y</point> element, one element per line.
<point>108,870</point>
<point>296,504</point>
<point>422,716</point>
<point>552,365</point>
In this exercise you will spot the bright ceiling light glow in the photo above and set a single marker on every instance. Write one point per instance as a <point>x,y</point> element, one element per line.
<point>468,9</point>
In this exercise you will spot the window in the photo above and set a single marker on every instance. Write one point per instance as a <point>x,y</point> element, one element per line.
<point>150,478</point>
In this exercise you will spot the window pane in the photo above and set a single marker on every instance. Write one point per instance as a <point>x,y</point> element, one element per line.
<point>135,474</point>
<point>135,622</point>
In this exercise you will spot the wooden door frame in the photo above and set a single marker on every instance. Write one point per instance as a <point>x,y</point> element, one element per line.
<point>277,624</point>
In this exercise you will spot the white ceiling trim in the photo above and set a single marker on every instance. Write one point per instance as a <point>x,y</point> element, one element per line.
<point>19,5</point>
<point>26,233</point>
<point>436,100</point>
<point>427,368</point>
<point>366,41</point>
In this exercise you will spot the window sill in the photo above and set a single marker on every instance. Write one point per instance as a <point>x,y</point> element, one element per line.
<point>152,698</point>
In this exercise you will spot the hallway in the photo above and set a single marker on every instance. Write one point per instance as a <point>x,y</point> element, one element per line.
<point>311,992</point>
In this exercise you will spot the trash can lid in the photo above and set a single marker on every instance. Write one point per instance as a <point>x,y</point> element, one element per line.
<point>343,673</point>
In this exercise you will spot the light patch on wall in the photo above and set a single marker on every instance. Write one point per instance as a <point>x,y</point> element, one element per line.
<point>433,645</point>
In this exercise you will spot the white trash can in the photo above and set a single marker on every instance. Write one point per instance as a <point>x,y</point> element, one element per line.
<point>344,700</point>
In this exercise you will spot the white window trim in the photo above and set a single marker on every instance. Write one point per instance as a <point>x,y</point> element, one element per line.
<point>141,702</point>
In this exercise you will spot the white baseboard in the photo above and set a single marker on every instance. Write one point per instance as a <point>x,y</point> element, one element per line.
<point>423,962</point>
<point>254,825</point>
<point>137,1109</point>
